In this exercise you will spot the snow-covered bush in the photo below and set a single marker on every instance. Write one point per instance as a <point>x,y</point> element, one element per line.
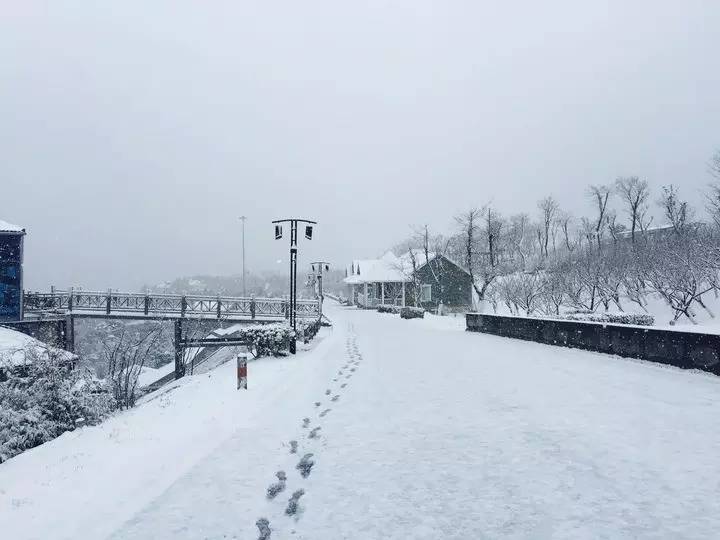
<point>388,308</point>
<point>308,330</point>
<point>267,339</point>
<point>44,396</point>
<point>613,318</point>
<point>412,313</point>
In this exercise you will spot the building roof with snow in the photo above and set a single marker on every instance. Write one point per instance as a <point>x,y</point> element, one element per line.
<point>656,231</point>
<point>9,228</point>
<point>389,268</point>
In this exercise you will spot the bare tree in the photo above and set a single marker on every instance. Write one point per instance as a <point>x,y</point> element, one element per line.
<point>194,329</point>
<point>676,271</point>
<point>712,203</point>
<point>552,294</point>
<point>582,283</point>
<point>634,193</point>
<point>600,196</point>
<point>548,210</point>
<point>489,265</point>
<point>613,227</point>
<point>469,224</point>
<point>518,236</point>
<point>676,211</point>
<point>587,231</point>
<point>522,291</point>
<point>564,221</point>
<point>126,356</point>
<point>714,165</point>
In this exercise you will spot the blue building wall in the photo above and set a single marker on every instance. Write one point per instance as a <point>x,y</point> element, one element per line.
<point>11,252</point>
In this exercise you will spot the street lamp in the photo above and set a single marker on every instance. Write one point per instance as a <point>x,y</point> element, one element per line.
<point>293,263</point>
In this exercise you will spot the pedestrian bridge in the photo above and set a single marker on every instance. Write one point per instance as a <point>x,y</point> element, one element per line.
<point>111,304</point>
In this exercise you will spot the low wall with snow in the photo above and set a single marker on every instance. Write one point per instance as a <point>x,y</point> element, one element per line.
<point>687,350</point>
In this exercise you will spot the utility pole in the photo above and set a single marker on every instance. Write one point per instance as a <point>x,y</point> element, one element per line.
<point>243,218</point>
<point>293,264</point>
<point>319,266</point>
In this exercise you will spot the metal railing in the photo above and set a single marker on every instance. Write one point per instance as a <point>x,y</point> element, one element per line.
<point>372,301</point>
<point>163,305</point>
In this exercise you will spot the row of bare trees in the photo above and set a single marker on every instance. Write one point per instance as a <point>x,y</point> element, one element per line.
<point>630,246</point>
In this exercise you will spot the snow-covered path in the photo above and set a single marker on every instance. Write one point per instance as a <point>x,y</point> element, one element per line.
<point>458,435</point>
<point>429,432</point>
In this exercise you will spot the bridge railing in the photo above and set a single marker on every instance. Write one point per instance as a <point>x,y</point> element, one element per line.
<point>169,305</point>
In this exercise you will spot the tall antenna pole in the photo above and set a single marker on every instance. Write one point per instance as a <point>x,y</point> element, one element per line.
<point>243,218</point>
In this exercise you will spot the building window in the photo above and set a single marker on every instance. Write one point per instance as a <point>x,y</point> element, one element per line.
<point>425,293</point>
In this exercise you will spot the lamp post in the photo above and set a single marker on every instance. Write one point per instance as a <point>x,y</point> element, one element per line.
<point>293,263</point>
<point>319,267</point>
<point>243,218</point>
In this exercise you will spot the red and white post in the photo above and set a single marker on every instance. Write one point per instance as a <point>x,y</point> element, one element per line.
<point>242,370</point>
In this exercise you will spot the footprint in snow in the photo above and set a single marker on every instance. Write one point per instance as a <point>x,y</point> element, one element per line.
<point>314,433</point>
<point>335,397</point>
<point>292,506</point>
<point>264,526</point>
<point>305,465</point>
<point>278,487</point>
<point>322,414</point>
<point>317,403</point>
<point>306,422</point>
<point>293,447</point>
<point>343,385</point>
<point>328,392</point>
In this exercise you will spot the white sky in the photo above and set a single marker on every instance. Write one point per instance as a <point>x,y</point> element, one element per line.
<point>132,134</point>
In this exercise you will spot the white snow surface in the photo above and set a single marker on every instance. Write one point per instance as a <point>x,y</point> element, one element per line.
<point>17,348</point>
<point>389,268</point>
<point>438,433</point>
<point>9,227</point>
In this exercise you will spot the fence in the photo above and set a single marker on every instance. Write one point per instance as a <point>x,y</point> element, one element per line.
<point>688,350</point>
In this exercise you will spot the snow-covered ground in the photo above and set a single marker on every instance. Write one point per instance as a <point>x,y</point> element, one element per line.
<point>706,319</point>
<point>425,432</point>
<point>18,348</point>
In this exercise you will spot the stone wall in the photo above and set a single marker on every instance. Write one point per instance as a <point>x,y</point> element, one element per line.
<point>688,350</point>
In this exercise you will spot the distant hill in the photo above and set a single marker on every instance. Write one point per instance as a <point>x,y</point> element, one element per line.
<point>259,285</point>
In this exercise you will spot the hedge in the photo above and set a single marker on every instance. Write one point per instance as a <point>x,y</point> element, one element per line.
<point>614,318</point>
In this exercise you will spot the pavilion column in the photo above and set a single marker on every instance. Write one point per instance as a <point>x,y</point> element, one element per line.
<point>382,293</point>
<point>403,293</point>
<point>365,300</point>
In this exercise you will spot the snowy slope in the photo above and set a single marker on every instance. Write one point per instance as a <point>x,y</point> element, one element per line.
<point>85,484</point>
<point>425,432</point>
<point>18,348</point>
